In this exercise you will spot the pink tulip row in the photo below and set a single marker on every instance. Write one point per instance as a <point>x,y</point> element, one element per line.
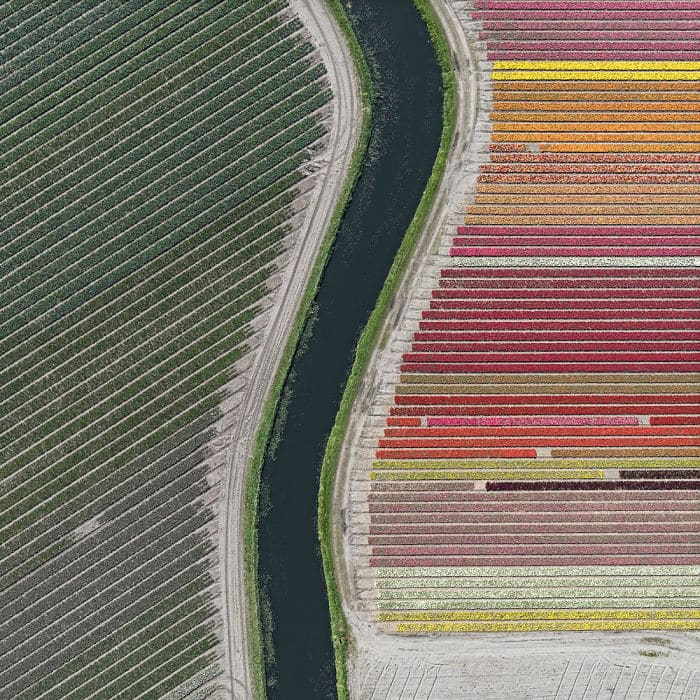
<point>552,517</point>
<point>574,249</point>
<point>380,542</point>
<point>563,506</point>
<point>536,560</point>
<point>690,526</point>
<point>569,273</point>
<point>578,499</point>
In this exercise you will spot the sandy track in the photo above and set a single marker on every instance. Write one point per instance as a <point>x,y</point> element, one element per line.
<point>333,165</point>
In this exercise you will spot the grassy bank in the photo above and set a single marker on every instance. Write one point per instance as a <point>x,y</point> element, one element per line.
<point>369,340</point>
<point>252,483</point>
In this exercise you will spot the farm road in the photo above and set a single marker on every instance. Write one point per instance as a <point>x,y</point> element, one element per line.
<point>321,202</point>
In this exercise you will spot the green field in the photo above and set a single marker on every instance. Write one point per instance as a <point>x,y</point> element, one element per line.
<point>149,159</point>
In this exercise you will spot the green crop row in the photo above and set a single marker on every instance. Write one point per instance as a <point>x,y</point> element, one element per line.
<point>81,557</point>
<point>124,587</point>
<point>78,468</point>
<point>114,308</point>
<point>155,29</point>
<point>160,238</point>
<point>50,609</point>
<point>142,619</point>
<point>171,139</point>
<point>174,73</point>
<point>150,162</point>
<point>143,119</point>
<point>23,554</point>
<point>148,240</point>
<point>222,324</point>
<point>43,33</point>
<point>62,257</point>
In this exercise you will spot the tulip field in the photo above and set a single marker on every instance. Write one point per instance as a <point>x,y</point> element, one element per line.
<point>538,467</point>
<point>151,155</point>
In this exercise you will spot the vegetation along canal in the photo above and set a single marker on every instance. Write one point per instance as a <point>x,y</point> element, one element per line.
<point>406,133</point>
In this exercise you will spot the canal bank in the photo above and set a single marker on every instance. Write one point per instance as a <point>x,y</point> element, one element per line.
<point>406,135</point>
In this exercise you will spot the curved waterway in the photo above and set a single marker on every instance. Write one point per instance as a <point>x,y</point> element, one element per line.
<point>406,133</point>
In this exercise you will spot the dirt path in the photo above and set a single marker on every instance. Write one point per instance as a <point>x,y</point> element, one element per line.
<point>321,201</point>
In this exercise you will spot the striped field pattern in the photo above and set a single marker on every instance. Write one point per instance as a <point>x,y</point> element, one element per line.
<point>539,469</point>
<point>151,158</point>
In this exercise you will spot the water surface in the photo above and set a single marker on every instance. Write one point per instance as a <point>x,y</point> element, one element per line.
<point>406,134</point>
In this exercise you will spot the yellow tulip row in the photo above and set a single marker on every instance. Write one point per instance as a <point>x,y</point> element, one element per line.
<point>535,615</point>
<point>548,626</point>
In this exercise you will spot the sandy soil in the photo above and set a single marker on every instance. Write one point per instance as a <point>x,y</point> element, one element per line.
<point>235,444</point>
<point>494,666</point>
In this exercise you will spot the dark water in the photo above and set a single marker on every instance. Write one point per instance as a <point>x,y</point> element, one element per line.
<point>406,134</point>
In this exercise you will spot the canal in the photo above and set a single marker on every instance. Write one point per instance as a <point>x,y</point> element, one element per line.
<point>405,137</point>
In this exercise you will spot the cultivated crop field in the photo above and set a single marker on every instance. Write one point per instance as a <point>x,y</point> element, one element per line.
<point>537,467</point>
<point>150,158</point>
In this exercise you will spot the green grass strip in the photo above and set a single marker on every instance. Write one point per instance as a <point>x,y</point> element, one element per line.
<point>370,335</point>
<point>262,438</point>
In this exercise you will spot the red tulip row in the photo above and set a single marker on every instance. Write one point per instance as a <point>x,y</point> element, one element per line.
<point>463,289</point>
<point>529,421</point>
<point>566,336</point>
<point>562,314</point>
<point>526,431</point>
<point>465,453</point>
<point>412,422</point>
<point>560,325</point>
<point>552,346</point>
<point>674,420</point>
